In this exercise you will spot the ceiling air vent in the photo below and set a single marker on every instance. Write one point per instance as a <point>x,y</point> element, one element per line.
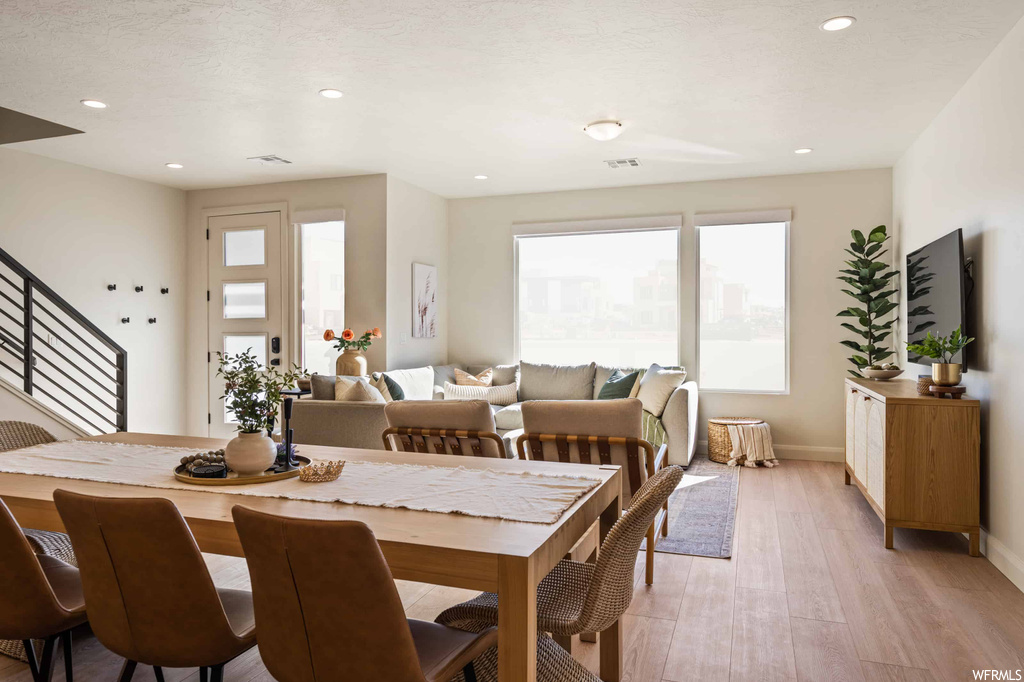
<point>623,163</point>
<point>270,160</point>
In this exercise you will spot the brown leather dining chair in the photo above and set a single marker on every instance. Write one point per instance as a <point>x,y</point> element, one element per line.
<point>149,593</point>
<point>443,427</point>
<point>327,608</point>
<point>597,432</point>
<point>40,598</point>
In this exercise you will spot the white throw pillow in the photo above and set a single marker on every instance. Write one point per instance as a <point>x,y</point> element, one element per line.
<point>656,387</point>
<point>495,395</point>
<point>362,392</point>
<point>510,417</point>
<point>416,383</point>
<point>342,384</point>
<point>467,379</point>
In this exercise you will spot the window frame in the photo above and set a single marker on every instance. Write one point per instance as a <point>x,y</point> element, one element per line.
<point>597,226</point>
<point>296,219</point>
<point>705,220</point>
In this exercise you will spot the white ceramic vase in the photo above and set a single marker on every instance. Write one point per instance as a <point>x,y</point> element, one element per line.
<point>249,454</point>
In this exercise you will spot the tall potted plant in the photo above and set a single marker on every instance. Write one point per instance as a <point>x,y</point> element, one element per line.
<point>252,393</point>
<point>352,361</point>
<point>870,283</point>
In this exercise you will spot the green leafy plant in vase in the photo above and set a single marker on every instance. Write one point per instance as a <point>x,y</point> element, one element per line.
<point>943,349</point>
<point>253,394</point>
<point>870,283</point>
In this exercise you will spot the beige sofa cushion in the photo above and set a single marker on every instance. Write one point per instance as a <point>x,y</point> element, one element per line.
<point>495,395</point>
<point>509,417</point>
<point>503,374</point>
<point>322,386</point>
<point>467,379</point>
<point>342,384</point>
<point>657,386</point>
<point>362,392</point>
<point>556,382</point>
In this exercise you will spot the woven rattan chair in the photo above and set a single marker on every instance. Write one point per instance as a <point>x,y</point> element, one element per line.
<point>581,597</point>
<point>453,427</point>
<point>599,432</point>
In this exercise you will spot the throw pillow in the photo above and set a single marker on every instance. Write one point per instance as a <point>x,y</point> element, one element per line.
<point>656,387</point>
<point>388,387</point>
<point>362,392</point>
<point>495,395</point>
<point>556,382</point>
<point>467,379</point>
<point>619,385</point>
<point>342,384</point>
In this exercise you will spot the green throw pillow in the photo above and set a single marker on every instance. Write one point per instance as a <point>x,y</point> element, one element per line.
<point>388,387</point>
<point>619,385</point>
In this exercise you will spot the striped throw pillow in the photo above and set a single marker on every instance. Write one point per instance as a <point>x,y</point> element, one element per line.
<point>495,395</point>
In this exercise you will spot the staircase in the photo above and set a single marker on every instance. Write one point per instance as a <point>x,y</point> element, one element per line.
<point>57,358</point>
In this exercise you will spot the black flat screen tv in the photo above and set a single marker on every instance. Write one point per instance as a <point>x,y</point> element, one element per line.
<point>936,293</point>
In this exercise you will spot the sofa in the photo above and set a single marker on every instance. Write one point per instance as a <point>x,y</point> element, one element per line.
<point>322,420</point>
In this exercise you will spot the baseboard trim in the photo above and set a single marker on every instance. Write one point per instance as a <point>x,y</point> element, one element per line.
<point>1004,559</point>
<point>814,453</point>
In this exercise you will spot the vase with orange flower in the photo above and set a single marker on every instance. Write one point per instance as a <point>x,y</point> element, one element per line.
<point>352,361</point>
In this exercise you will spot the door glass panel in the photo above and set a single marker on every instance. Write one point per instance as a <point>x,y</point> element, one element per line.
<point>244,247</point>
<point>254,343</point>
<point>245,300</point>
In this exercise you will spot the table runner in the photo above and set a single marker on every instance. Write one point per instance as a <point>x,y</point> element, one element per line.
<point>515,496</point>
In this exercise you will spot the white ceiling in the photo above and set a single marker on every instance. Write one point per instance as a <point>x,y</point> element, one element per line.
<point>437,91</point>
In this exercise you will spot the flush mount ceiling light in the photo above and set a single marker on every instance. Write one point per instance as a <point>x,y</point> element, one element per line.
<point>602,131</point>
<point>331,93</point>
<point>803,150</point>
<point>174,165</point>
<point>479,177</point>
<point>94,104</point>
<point>837,23</point>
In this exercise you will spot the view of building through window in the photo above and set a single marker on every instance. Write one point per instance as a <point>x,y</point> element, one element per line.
<point>743,307</point>
<point>604,297</point>
<point>323,292</point>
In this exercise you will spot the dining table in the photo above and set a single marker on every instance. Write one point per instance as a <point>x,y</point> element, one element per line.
<point>455,550</point>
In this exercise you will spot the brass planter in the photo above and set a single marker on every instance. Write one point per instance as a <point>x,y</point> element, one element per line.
<point>947,373</point>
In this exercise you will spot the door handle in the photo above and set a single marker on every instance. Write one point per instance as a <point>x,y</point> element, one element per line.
<point>275,344</point>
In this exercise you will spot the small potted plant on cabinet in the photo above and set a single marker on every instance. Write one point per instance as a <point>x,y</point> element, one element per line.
<point>943,349</point>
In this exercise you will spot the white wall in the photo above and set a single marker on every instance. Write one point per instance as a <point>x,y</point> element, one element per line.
<point>79,229</point>
<point>967,171</point>
<point>808,422</point>
<point>417,233</point>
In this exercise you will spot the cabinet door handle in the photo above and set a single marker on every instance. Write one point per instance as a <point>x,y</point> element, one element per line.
<point>853,390</point>
<point>867,398</point>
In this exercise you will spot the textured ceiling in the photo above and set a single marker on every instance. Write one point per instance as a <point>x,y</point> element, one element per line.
<point>438,91</point>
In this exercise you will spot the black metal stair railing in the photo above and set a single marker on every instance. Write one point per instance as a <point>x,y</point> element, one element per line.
<point>53,353</point>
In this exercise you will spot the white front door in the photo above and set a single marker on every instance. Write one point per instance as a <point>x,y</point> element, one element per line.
<point>246,301</point>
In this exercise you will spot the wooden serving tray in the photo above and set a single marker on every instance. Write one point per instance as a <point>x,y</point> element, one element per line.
<point>233,478</point>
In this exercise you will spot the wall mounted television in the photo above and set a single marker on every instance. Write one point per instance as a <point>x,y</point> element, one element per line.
<point>937,288</point>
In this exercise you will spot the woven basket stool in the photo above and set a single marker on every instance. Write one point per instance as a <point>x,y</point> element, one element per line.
<point>719,443</point>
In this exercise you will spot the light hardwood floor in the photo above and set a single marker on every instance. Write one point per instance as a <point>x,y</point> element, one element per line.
<point>810,594</point>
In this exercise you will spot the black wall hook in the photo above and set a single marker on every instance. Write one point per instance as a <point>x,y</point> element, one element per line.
<point>126,320</point>
<point>165,290</point>
<point>152,320</point>
<point>138,289</point>
<point>111,287</point>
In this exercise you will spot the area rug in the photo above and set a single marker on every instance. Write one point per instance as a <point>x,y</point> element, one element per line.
<point>702,511</point>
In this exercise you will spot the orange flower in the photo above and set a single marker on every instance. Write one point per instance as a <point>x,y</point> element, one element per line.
<point>329,335</point>
<point>348,335</point>
<point>376,332</point>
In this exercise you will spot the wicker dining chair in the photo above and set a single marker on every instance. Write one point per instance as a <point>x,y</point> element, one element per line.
<point>452,427</point>
<point>579,597</point>
<point>598,432</point>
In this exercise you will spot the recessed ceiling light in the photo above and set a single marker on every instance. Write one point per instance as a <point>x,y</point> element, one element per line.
<point>479,177</point>
<point>803,150</point>
<point>174,165</point>
<point>602,131</point>
<point>94,103</point>
<point>837,23</point>
<point>331,93</point>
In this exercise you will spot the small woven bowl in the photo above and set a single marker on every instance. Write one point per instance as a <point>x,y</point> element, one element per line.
<point>882,374</point>
<point>321,472</point>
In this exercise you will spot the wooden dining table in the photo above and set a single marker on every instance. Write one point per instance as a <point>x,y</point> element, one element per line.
<point>487,554</point>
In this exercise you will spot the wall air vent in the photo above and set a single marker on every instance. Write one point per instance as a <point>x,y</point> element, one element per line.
<point>623,163</point>
<point>270,160</point>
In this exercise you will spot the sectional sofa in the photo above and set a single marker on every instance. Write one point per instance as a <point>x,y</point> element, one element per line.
<point>322,420</point>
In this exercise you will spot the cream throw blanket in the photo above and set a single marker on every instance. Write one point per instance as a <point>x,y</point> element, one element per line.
<point>515,496</point>
<point>751,444</point>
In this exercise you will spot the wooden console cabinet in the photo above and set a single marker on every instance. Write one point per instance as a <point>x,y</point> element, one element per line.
<point>916,458</point>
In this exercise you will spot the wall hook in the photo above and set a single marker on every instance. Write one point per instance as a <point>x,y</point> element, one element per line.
<point>165,290</point>
<point>152,320</point>
<point>126,320</point>
<point>138,289</point>
<point>111,287</point>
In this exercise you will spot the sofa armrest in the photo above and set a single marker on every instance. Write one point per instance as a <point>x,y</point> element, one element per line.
<point>339,423</point>
<point>680,422</point>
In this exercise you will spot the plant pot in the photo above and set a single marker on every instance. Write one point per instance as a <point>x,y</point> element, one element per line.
<point>250,453</point>
<point>946,373</point>
<point>352,363</point>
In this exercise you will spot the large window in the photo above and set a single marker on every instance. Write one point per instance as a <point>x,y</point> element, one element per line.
<point>605,297</point>
<point>743,319</point>
<point>323,291</point>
